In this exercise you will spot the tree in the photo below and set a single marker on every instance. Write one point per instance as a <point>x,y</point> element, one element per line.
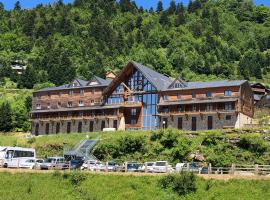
<point>215,22</point>
<point>17,5</point>
<point>139,22</point>
<point>164,20</point>
<point>28,79</point>
<point>172,8</point>
<point>181,16</point>
<point>125,5</point>
<point>29,24</point>
<point>5,117</point>
<point>159,7</point>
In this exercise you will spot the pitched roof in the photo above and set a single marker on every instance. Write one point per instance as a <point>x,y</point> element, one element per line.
<point>82,84</point>
<point>210,84</point>
<point>160,81</point>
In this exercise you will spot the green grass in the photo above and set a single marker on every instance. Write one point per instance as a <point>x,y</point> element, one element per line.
<point>25,186</point>
<point>172,145</point>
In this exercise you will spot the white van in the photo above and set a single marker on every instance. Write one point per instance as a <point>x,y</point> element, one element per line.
<point>2,156</point>
<point>13,156</point>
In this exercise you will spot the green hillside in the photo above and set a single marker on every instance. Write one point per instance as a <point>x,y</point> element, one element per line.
<point>110,187</point>
<point>205,40</point>
<point>219,147</point>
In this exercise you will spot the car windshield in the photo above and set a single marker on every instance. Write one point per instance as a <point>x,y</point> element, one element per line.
<point>150,164</point>
<point>160,163</point>
<point>50,160</point>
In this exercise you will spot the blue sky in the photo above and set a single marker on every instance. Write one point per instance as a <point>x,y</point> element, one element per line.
<point>9,4</point>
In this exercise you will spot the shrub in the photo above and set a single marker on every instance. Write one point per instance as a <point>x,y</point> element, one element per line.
<point>169,139</point>
<point>76,178</point>
<point>131,144</point>
<point>183,183</point>
<point>253,144</point>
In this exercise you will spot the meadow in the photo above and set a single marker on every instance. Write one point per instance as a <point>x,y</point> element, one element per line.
<point>57,186</point>
<point>220,147</point>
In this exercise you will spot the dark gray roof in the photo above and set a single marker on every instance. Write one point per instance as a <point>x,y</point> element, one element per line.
<point>210,84</point>
<point>158,80</point>
<point>82,84</point>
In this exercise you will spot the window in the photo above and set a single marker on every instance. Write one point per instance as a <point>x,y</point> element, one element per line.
<point>69,105</point>
<point>82,92</point>
<point>193,95</point>
<point>194,108</point>
<point>70,92</point>
<point>178,96</point>
<point>165,98</point>
<point>180,123</point>
<point>227,93</point>
<point>134,111</point>
<point>209,94</point>
<point>38,106</point>
<point>228,106</point>
<point>228,117</point>
<point>209,107</point>
<point>166,110</point>
<point>59,104</point>
<point>49,94</point>
<point>81,103</point>
<point>49,106</point>
<point>180,108</point>
<point>74,84</point>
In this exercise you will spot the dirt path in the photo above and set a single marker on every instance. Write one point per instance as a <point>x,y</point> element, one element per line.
<point>224,177</point>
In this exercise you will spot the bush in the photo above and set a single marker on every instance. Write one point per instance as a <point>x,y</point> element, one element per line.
<point>183,183</point>
<point>253,144</point>
<point>76,178</point>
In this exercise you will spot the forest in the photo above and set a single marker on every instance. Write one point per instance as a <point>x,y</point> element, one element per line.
<point>204,40</point>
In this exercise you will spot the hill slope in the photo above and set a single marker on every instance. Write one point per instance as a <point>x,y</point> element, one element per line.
<point>205,40</point>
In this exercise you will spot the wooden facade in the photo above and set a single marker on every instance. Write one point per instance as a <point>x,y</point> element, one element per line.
<point>140,98</point>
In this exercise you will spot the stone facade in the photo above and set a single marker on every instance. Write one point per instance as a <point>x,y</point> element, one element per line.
<point>74,126</point>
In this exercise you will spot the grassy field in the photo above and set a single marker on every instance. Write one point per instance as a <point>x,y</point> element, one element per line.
<point>221,148</point>
<point>117,187</point>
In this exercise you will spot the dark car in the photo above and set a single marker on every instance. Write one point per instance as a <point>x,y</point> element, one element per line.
<point>76,164</point>
<point>132,166</point>
<point>204,170</point>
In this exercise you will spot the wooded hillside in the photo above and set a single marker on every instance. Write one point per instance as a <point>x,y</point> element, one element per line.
<point>205,40</point>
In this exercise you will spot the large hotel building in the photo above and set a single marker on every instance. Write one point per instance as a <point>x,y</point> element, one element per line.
<point>141,98</point>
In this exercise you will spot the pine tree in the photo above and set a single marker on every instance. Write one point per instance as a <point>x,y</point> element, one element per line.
<point>164,20</point>
<point>215,22</point>
<point>5,117</point>
<point>181,16</point>
<point>151,10</point>
<point>139,22</point>
<point>172,8</point>
<point>159,7</point>
<point>125,5</point>
<point>29,24</point>
<point>17,5</point>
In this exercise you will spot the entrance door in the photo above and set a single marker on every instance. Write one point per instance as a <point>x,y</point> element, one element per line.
<point>165,123</point>
<point>57,128</point>
<point>102,125</point>
<point>91,126</point>
<point>80,127</point>
<point>210,122</point>
<point>37,129</point>
<point>194,124</point>
<point>68,127</point>
<point>115,124</point>
<point>47,130</point>
<point>180,123</point>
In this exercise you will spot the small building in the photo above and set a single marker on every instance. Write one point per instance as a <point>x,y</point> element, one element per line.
<point>18,66</point>
<point>259,91</point>
<point>142,99</point>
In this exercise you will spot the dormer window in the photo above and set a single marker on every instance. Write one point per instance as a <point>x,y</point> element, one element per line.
<point>209,94</point>
<point>81,103</point>
<point>74,84</point>
<point>227,93</point>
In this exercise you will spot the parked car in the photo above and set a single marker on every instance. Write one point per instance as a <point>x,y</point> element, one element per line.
<point>54,163</point>
<point>162,167</point>
<point>148,166</point>
<point>31,164</point>
<point>76,164</point>
<point>179,166</point>
<point>192,167</point>
<point>204,170</point>
<point>92,165</point>
<point>131,166</point>
<point>112,166</point>
<point>28,164</point>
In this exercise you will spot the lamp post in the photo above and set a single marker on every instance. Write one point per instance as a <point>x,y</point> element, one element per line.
<point>164,124</point>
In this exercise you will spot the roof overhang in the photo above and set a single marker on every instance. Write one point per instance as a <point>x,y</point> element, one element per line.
<point>196,101</point>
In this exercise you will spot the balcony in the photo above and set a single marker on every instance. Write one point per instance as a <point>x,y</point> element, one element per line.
<point>201,112</point>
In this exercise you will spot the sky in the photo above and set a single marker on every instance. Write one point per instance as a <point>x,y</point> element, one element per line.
<point>9,4</point>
